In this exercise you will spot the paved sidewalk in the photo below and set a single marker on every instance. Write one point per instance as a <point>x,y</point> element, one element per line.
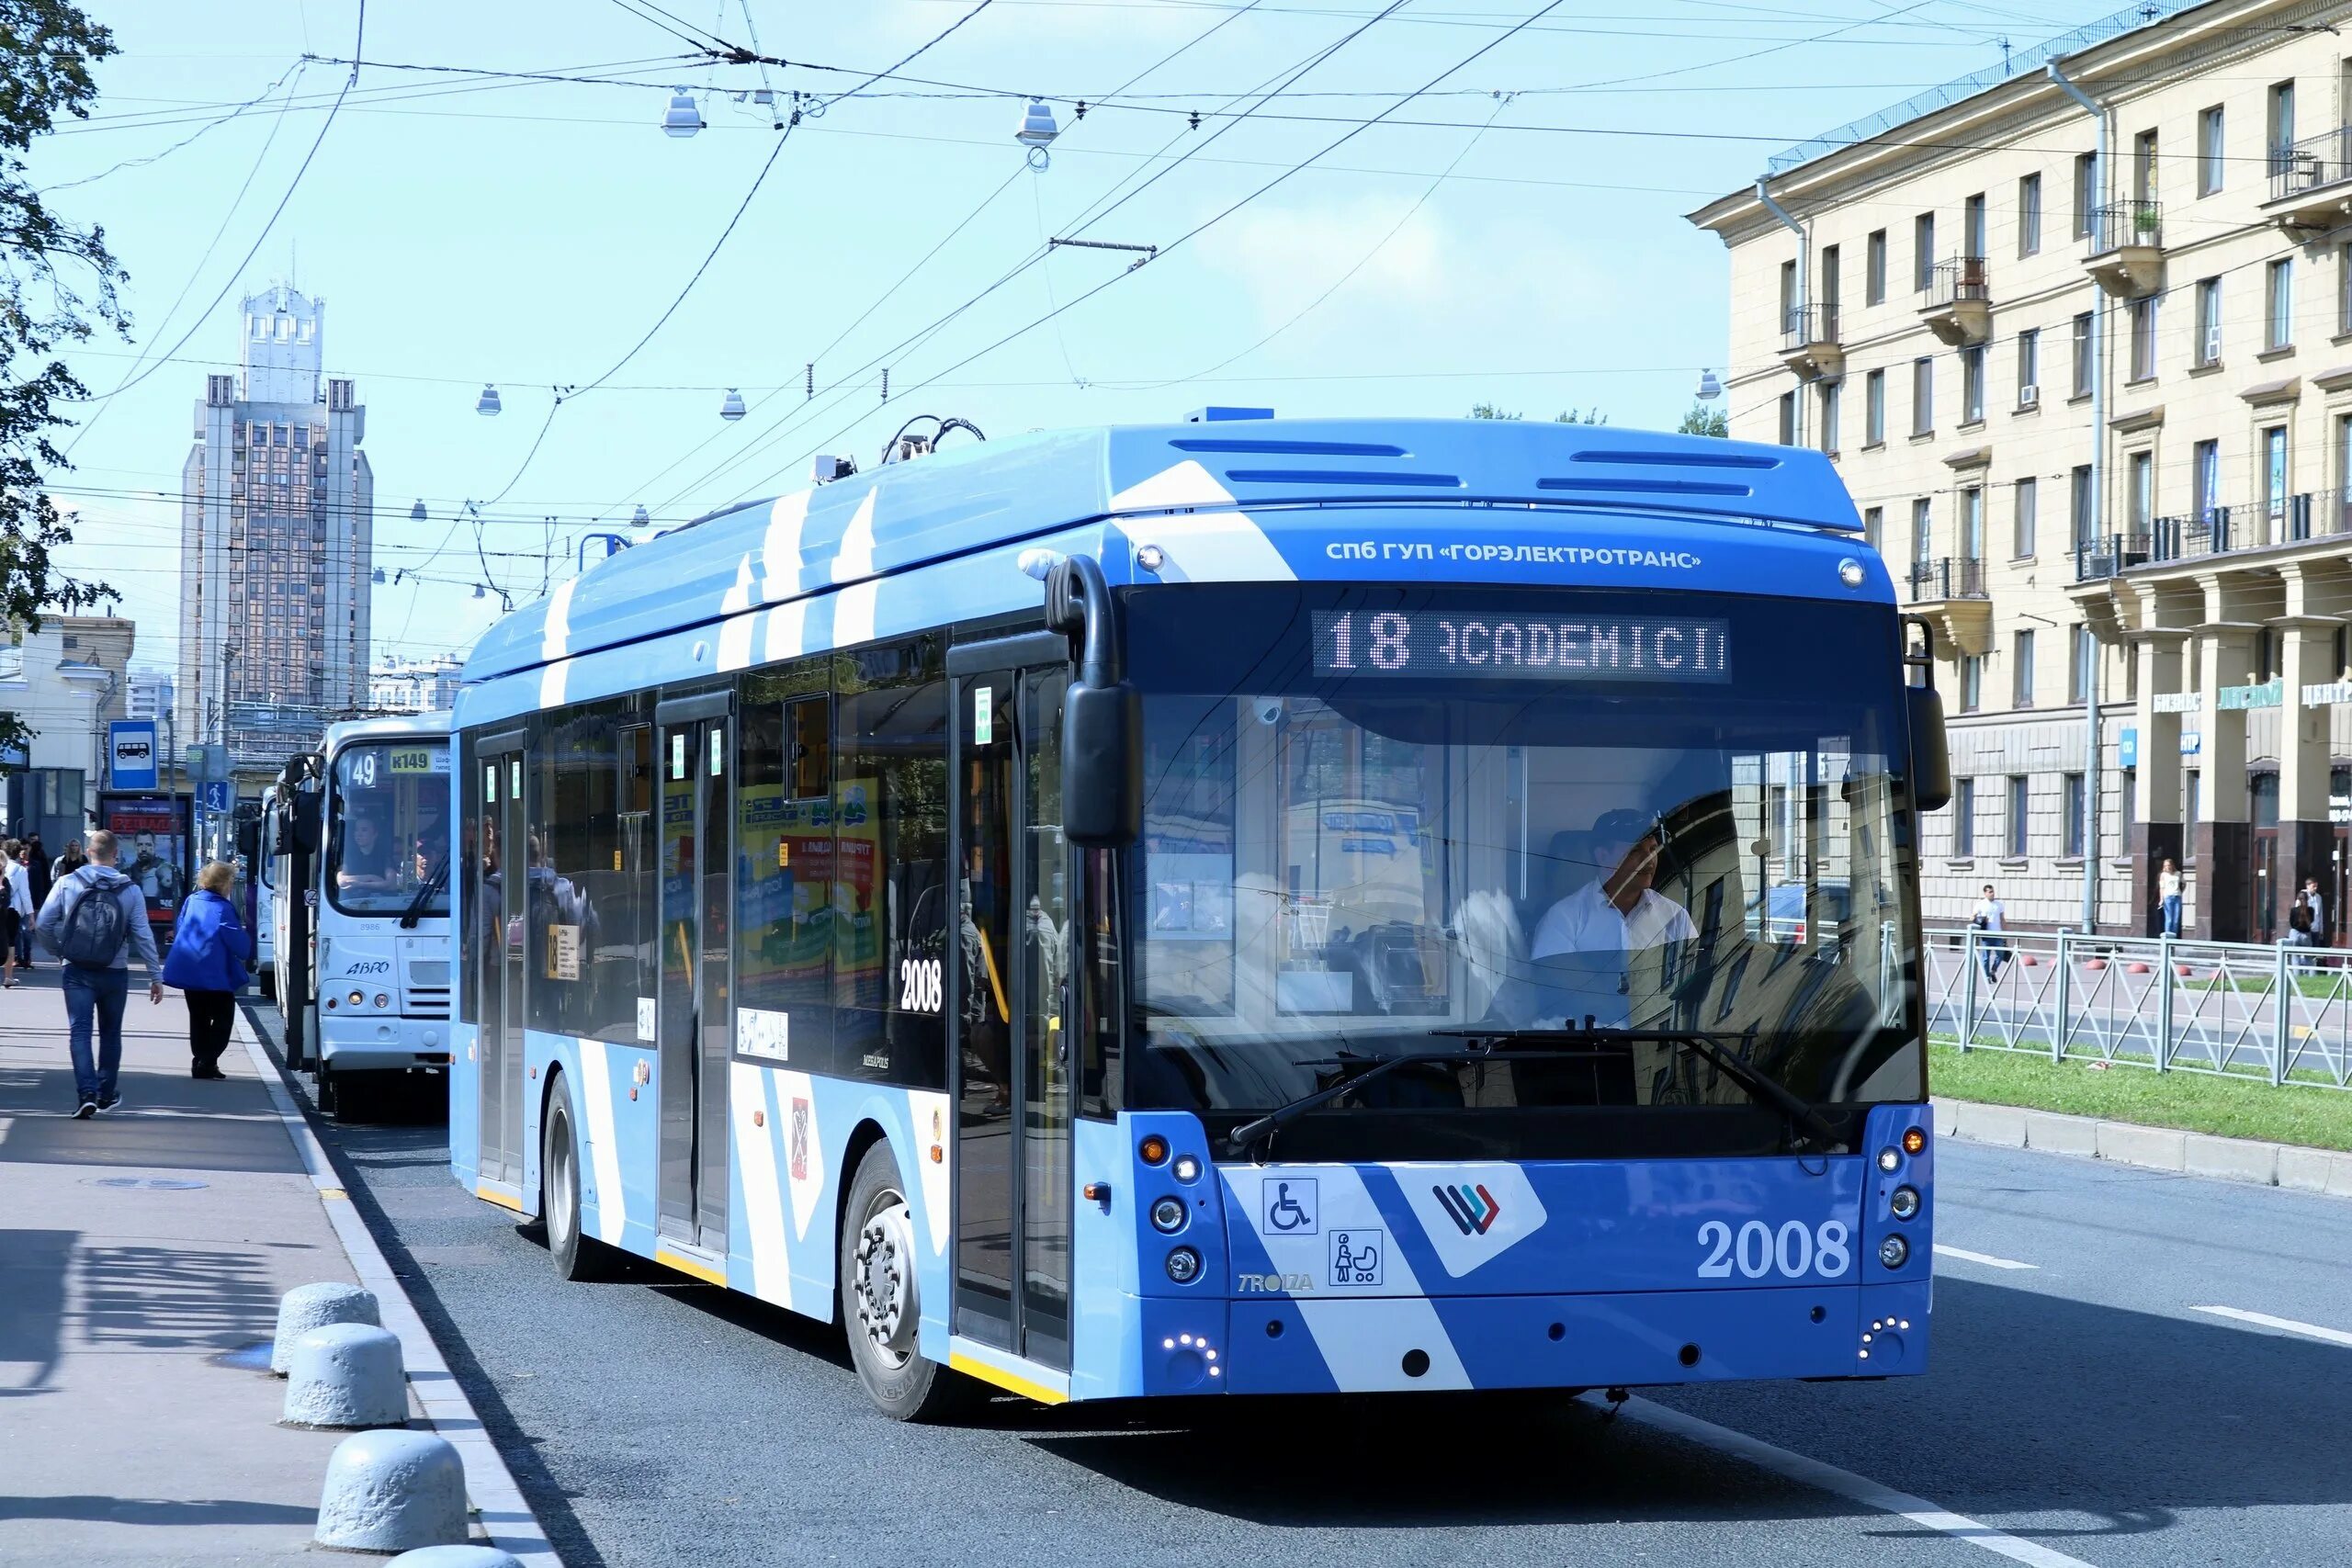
<point>121,1440</point>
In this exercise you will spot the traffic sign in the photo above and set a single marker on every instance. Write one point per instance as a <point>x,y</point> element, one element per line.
<point>215,795</point>
<point>130,754</point>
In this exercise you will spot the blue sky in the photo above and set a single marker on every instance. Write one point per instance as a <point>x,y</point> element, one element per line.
<point>467,229</point>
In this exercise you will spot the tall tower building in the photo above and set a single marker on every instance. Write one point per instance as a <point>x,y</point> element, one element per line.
<point>277,542</point>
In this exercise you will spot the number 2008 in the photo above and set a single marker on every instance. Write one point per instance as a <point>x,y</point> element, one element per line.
<point>1794,1251</point>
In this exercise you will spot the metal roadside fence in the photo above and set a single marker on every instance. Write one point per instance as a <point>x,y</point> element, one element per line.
<point>2273,1013</point>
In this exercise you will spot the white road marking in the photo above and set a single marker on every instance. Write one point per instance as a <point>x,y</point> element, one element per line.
<point>1845,1483</point>
<point>1986,1258</point>
<point>2284,1325</point>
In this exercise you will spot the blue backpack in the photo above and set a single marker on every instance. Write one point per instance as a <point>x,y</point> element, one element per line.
<point>95,928</point>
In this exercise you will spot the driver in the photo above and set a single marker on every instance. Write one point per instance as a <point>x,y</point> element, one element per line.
<point>1619,912</point>
<point>367,856</point>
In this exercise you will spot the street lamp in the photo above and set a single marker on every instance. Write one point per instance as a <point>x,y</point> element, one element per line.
<point>1037,132</point>
<point>416,513</point>
<point>731,408</point>
<point>486,404</point>
<point>1709,389</point>
<point>641,518</point>
<point>684,117</point>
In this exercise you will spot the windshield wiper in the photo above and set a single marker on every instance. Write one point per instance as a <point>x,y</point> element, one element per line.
<point>415,910</point>
<point>1239,1140</point>
<point>1760,1087</point>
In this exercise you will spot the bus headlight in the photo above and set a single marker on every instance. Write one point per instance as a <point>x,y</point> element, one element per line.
<point>1168,1215</point>
<point>1895,1252</point>
<point>1905,1203</point>
<point>382,1000</point>
<point>358,997</point>
<point>1888,1159</point>
<point>1183,1265</point>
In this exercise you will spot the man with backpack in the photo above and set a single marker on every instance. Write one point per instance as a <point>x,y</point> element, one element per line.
<point>93,920</point>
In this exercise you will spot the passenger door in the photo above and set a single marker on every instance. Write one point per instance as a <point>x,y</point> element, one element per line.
<point>1008,995</point>
<point>494,910</point>
<point>695,1018</point>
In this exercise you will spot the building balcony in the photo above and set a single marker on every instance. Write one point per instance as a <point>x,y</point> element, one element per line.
<point>1950,597</point>
<point>2311,182</point>
<point>2127,248</point>
<point>1960,301</point>
<point>1809,342</point>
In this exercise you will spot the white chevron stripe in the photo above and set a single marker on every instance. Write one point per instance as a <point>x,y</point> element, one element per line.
<point>604,1148</point>
<point>763,1198</point>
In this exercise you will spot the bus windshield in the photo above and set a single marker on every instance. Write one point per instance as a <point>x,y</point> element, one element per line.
<point>390,831</point>
<point>1420,820</point>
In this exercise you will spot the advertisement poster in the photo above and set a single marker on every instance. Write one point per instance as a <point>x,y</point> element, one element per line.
<point>151,831</point>
<point>782,871</point>
<point>857,933</point>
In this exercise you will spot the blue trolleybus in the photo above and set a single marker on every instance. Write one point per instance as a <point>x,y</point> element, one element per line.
<point>1242,906</point>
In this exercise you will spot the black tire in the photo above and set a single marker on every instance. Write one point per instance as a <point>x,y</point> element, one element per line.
<point>269,982</point>
<point>577,1257</point>
<point>349,1097</point>
<point>902,1383</point>
<point>329,1094</point>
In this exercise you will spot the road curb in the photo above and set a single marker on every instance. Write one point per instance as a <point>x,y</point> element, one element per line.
<point>506,1518</point>
<point>2290,1166</point>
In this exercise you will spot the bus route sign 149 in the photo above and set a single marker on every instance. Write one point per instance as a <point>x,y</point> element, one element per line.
<point>1423,644</point>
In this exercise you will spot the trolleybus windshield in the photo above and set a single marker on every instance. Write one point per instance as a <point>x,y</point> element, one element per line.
<point>390,832</point>
<point>1379,819</point>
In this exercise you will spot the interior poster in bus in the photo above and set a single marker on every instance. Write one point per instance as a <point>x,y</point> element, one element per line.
<point>857,946</point>
<point>151,835</point>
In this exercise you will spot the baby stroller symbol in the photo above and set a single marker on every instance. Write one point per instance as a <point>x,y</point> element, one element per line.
<point>1356,1255</point>
<point>1290,1207</point>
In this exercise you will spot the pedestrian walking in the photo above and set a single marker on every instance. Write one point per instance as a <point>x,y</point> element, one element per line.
<point>2319,911</point>
<point>210,947</point>
<point>71,861</point>
<point>18,918</point>
<point>95,919</point>
<point>2169,897</point>
<point>2299,933</point>
<point>1992,948</point>
<point>43,876</point>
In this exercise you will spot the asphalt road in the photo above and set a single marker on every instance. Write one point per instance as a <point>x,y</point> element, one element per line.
<point>2083,1409</point>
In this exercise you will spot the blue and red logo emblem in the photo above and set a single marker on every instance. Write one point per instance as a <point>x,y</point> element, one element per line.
<point>1472,1209</point>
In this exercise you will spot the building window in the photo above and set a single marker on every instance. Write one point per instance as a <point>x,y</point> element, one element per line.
<point>1829,412</point>
<point>2144,338</point>
<point>2142,490</point>
<point>1971,681</point>
<point>1788,419</point>
<point>2073,785</point>
<point>1792,324</point>
<point>1972,226</point>
<point>1922,535</point>
<point>2210,165</point>
<point>2020,804</point>
<point>2127,793</point>
<point>2029,367</point>
<point>2207,348</point>
<point>1971,530</point>
<point>2029,215</point>
<point>1971,384</point>
<point>2083,359</point>
<point>2274,476</point>
<point>1826,288</point>
<point>1874,408</point>
<point>2086,203</point>
<point>1874,269</point>
<point>2280,129</point>
<point>1873,525</point>
<point>2192,797</point>
<point>2025,500</point>
<point>2278,304</point>
<point>2344,290</point>
<point>2204,479</point>
<point>2078,668</point>
<point>2021,676</point>
<point>2143,168</point>
<point>2343,465</point>
<point>1923,396</point>
<point>1963,818</point>
<point>1923,251</point>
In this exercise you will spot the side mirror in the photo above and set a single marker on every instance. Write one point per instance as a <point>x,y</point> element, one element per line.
<point>1101,715</point>
<point>1930,760</point>
<point>249,839</point>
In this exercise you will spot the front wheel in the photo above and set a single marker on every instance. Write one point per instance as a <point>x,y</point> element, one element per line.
<point>880,1306</point>
<point>576,1256</point>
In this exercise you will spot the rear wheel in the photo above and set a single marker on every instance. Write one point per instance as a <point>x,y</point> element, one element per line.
<point>577,1257</point>
<point>879,1305</point>
<point>329,1094</point>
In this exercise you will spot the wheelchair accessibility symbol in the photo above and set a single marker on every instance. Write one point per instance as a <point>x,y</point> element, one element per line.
<point>1357,1255</point>
<point>1290,1207</point>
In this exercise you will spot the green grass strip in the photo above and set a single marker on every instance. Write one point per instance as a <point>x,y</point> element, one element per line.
<point>2229,1106</point>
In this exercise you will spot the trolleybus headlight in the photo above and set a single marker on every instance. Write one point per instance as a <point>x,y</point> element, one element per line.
<point>1154,1149</point>
<point>1888,1159</point>
<point>1186,1168</point>
<point>1183,1265</point>
<point>381,1000</point>
<point>1913,1141</point>
<point>1905,1203</point>
<point>358,997</point>
<point>1168,1215</point>
<point>1850,572</point>
<point>1895,1252</point>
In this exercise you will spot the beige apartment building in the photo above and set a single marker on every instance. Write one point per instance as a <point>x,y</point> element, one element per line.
<point>2078,333</point>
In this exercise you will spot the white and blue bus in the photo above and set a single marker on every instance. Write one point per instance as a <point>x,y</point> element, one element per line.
<point>372,970</point>
<point>1242,906</point>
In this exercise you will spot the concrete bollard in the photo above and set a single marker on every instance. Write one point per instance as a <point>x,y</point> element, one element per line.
<point>306,1307</point>
<point>392,1491</point>
<point>456,1557</point>
<point>344,1377</point>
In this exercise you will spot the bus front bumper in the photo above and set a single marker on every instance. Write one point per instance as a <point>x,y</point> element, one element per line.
<point>1282,1344</point>
<point>380,1042</point>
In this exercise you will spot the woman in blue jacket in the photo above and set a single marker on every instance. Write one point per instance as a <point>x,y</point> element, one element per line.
<point>209,946</point>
